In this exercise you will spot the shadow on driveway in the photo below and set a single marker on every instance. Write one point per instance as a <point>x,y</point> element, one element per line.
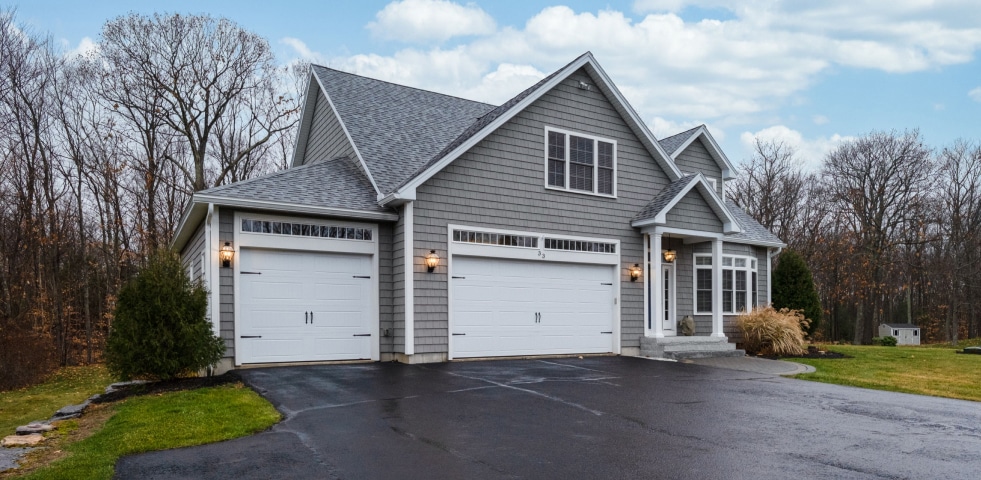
<point>597,417</point>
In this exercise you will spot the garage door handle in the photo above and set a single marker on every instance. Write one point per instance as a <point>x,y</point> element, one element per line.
<point>311,318</point>
<point>250,273</point>
<point>362,334</point>
<point>250,336</point>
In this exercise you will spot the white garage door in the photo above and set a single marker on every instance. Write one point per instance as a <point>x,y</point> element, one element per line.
<point>303,306</point>
<point>512,307</point>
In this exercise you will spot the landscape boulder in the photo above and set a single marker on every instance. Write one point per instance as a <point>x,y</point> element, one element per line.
<point>35,427</point>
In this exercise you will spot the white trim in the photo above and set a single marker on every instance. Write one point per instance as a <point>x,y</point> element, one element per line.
<point>729,171</point>
<point>696,236</point>
<point>585,59</point>
<point>214,276</point>
<point>306,116</point>
<point>311,244</point>
<point>193,214</point>
<point>648,324</point>
<point>655,286</point>
<point>408,258</point>
<point>717,289</point>
<point>531,254</point>
<point>672,301</point>
<point>568,162</point>
<point>295,208</point>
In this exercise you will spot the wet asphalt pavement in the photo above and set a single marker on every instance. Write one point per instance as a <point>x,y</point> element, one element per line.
<point>598,417</point>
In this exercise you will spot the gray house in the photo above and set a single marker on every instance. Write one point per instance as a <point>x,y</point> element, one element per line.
<point>420,227</point>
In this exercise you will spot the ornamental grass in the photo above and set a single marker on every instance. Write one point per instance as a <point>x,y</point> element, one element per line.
<point>767,331</point>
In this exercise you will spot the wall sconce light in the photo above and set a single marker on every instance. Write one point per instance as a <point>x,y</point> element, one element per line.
<point>432,260</point>
<point>670,255</point>
<point>635,272</point>
<point>225,254</point>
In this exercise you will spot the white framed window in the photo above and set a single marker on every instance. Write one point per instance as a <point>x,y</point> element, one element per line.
<point>739,284</point>
<point>578,162</point>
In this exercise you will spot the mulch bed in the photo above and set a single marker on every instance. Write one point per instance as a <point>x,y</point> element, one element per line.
<point>172,385</point>
<point>811,353</point>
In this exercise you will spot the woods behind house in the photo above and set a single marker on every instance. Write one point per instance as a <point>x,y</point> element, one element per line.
<point>101,150</point>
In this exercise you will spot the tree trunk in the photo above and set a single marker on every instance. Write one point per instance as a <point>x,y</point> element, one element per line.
<point>859,323</point>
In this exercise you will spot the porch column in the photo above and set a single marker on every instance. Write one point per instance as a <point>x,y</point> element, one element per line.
<point>654,284</point>
<point>717,288</point>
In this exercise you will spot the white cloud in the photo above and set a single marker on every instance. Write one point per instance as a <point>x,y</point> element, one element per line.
<point>810,152</point>
<point>975,94</point>
<point>302,51</point>
<point>430,20</point>
<point>662,128</point>
<point>86,46</point>
<point>820,120</point>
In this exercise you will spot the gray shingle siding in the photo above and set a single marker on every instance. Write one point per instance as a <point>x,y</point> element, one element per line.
<point>226,282</point>
<point>386,320</point>
<point>694,213</point>
<point>326,139</point>
<point>191,254</point>
<point>500,184</point>
<point>696,158</point>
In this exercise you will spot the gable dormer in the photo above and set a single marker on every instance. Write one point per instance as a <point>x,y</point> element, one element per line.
<point>695,151</point>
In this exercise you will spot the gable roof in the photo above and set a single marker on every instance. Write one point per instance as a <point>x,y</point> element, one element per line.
<point>500,115</point>
<point>337,186</point>
<point>900,325</point>
<point>676,144</point>
<point>394,129</point>
<point>655,212</point>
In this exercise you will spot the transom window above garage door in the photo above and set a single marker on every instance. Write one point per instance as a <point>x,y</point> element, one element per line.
<point>488,238</point>
<point>579,245</point>
<point>579,162</point>
<point>305,229</point>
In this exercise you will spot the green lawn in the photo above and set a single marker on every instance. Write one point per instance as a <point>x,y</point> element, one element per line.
<point>157,422</point>
<point>925,370</point>
<point>70,385</point>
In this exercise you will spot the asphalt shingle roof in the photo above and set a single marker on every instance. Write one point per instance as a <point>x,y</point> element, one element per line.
<point>662,200</point>
<point>751,229</point>
<point>900,325</point>
<point>670,144</point>
<point>396,128</point>
<point>337,183</point>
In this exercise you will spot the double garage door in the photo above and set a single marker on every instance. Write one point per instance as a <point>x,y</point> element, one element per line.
<point>516,307</point>
<point>304,306</point>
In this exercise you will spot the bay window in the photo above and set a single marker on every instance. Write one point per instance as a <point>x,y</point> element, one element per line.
<point>739,289</point>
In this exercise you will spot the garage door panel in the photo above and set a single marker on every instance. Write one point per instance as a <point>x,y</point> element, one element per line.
<point>276,302</point>
<point>495,304</point>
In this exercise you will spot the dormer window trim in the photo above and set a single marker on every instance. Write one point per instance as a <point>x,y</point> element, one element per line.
<point>562,147</point>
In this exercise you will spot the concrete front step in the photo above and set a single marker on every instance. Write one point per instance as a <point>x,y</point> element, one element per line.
<point>679,348</point>
<point>704,354</point>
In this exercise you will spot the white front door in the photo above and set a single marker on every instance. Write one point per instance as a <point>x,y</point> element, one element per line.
<point>516,307</point>
<point>666,310</point>
<point>303,306</point>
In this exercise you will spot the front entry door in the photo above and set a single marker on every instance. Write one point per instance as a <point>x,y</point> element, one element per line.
<point>666,310</point>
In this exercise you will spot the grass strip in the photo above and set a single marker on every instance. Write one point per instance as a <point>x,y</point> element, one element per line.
<point>925,370</point>
<point>163,421</point>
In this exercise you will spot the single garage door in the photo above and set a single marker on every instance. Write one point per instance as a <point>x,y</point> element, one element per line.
<point>512,307</point>
<point>303,306</point>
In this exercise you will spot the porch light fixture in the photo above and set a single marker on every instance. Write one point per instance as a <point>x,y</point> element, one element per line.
<point>670,255</point>
<point>225,254</point>
<point>635,272</point>
<point>432,260</point>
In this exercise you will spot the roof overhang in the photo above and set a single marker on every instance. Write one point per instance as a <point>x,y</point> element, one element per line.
<point>728,169</point>
<point>296,208</point>
<point>698,181</point>
<point>586,61</point>
<point>192,217</point>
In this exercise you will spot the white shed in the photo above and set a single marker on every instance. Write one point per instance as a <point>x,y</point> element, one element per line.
<point>905,333</point>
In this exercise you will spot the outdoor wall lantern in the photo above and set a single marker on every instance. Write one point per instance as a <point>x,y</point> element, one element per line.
<point>225,254</point>
<point>635,272</point>
<point>670,255</point>
<point>432,260</point>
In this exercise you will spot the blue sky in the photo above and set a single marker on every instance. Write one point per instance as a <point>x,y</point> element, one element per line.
<point>807,73</point>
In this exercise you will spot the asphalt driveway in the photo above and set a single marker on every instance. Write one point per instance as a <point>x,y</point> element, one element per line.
<point>598,417</point>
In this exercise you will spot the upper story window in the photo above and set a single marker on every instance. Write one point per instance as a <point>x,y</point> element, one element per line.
<point>580,163</point>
